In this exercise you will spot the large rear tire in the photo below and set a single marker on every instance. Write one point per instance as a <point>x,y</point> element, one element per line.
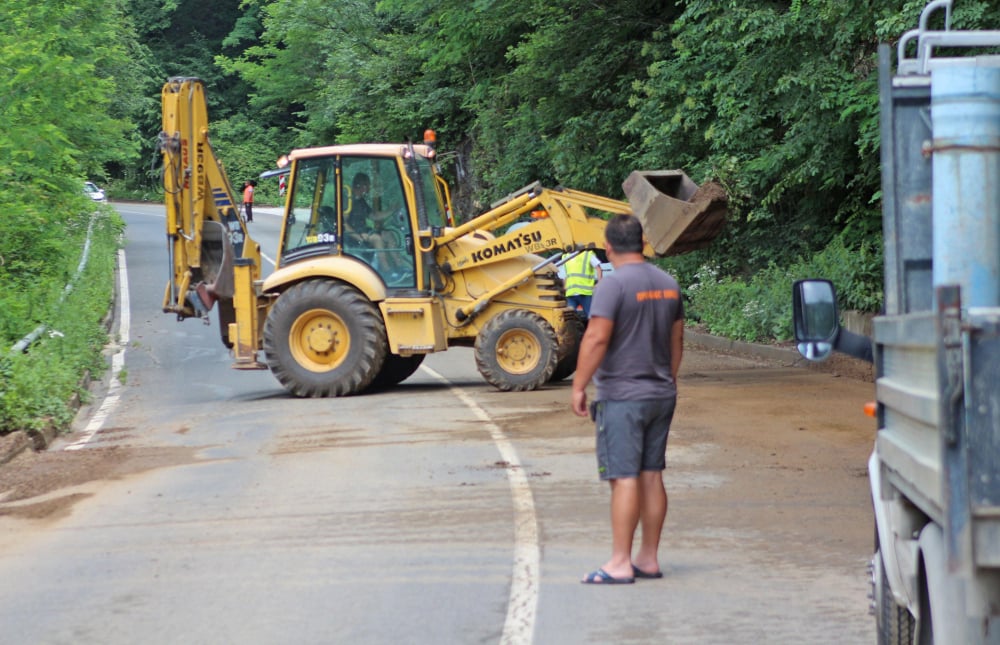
<point>396,369</point>
<point>517,351</point>
<point>569,348</point>
<point>324,338</point>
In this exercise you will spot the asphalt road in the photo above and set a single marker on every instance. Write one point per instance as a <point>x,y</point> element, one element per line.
<point>197,504</point>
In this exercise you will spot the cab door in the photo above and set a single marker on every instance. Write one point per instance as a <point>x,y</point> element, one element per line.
<point>374,218</point>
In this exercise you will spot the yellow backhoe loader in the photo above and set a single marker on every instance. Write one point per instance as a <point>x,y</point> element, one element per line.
<point>372,273</point>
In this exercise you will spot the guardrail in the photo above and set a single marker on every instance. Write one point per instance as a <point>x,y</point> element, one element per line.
<point>23,344</point>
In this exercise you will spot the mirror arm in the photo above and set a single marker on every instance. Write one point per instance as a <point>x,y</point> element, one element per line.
<point>855,345</point>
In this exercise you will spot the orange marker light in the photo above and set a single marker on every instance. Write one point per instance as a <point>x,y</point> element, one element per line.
<point>539,214</point>
<point>871,408</point>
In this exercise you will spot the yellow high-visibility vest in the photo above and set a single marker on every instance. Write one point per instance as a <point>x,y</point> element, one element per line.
<point>581,276</point>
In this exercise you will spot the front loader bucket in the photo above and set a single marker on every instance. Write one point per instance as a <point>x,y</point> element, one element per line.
<point>677,216</point>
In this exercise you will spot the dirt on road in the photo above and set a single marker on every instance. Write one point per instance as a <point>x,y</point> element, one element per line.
<point>780,458</point>
<point>769,527</point>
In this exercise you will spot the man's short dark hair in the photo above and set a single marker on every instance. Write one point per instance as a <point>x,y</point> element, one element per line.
<point>624,234</point>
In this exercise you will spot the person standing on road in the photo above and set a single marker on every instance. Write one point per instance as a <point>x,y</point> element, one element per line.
<point>248,199</point>
<point>582,272</point>
<point>632,349</point>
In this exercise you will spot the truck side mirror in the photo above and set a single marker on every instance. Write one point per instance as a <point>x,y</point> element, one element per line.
<point>815,318</point>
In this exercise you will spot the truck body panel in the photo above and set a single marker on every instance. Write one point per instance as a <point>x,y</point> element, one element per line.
<point>935,468</point>
<point>937,450</point>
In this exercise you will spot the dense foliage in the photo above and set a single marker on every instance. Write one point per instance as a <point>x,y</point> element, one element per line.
<point>776,100</point>
<point>67,110</point>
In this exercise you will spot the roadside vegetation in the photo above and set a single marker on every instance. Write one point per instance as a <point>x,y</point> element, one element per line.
<point>66,118</point>
<point>777,101</point>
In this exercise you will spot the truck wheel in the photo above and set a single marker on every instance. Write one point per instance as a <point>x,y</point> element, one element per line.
<point>894,624</point>
<point>517,350</point>
<point>397,369</point>
<point>569,348</point>
<point>324,338</point>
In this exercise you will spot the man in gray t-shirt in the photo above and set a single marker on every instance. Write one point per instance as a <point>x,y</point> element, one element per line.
<point>632,349</point>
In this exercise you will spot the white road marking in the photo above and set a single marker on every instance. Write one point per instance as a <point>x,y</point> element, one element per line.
<point>117,360</point>
<point>522,606</point>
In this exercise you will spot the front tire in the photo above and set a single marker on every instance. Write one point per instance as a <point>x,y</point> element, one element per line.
<point>324,338</point>
<point>517,350</point>
<point>569,349</point>
<point>895,625</point>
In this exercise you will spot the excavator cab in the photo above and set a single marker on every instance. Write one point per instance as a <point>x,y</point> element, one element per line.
<point>360,202</point>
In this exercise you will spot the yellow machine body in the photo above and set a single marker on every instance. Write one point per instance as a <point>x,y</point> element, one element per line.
<point>373,272</point>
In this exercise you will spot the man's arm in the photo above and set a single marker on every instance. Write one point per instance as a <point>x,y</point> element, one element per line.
<point>593,347</point>
<point>676,347</point>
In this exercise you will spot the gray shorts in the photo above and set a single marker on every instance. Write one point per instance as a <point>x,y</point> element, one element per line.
<point>632,436</point>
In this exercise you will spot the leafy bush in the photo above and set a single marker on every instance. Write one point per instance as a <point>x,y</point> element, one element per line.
<point>759,308</point>
<point>856,272</point>
<point>750,310</point>
<point>37,387</point>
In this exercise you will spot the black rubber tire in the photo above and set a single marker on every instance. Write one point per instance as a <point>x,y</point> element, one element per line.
<point>925,635</point>
<point>396,369</point>
<point>324,338</point>
<point>895,625</point>
<point>517,351</point>
<point>569,350</point>
<point>227,315</point>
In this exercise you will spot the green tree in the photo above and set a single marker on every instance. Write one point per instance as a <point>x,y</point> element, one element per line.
<point>56,101</point>
<point>65,109</point>
<point>558,108</point>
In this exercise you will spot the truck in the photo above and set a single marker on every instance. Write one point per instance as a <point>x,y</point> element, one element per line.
<point>935,468</point>
<point>373,272</point>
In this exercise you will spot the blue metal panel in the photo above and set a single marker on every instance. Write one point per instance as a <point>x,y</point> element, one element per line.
<point>906,190</point>
<point>983,412</point>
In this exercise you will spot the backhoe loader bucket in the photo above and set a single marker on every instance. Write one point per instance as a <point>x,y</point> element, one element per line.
<point>677,216</point>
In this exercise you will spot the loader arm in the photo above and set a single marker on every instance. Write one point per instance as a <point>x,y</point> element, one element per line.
<point>676,216</point>
<point>206,237</point>
<point>560,222</point>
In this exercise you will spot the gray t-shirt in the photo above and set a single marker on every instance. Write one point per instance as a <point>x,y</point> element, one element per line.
<point>643,302</point>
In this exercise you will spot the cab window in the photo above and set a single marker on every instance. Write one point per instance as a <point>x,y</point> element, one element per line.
<point>312,226</point>
<point>434,201</point>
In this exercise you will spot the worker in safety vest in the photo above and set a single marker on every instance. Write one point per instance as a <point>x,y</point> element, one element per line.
<point>582,273</point>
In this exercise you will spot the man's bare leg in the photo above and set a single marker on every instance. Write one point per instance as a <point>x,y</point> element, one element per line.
<point>624,520</point>
<point>653,513</point>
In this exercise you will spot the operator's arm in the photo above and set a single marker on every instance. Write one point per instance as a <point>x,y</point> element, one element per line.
<point>596,263</point>
<point>593,346</point>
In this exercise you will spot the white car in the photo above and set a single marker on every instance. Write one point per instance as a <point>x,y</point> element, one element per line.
<point>95,193</point>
